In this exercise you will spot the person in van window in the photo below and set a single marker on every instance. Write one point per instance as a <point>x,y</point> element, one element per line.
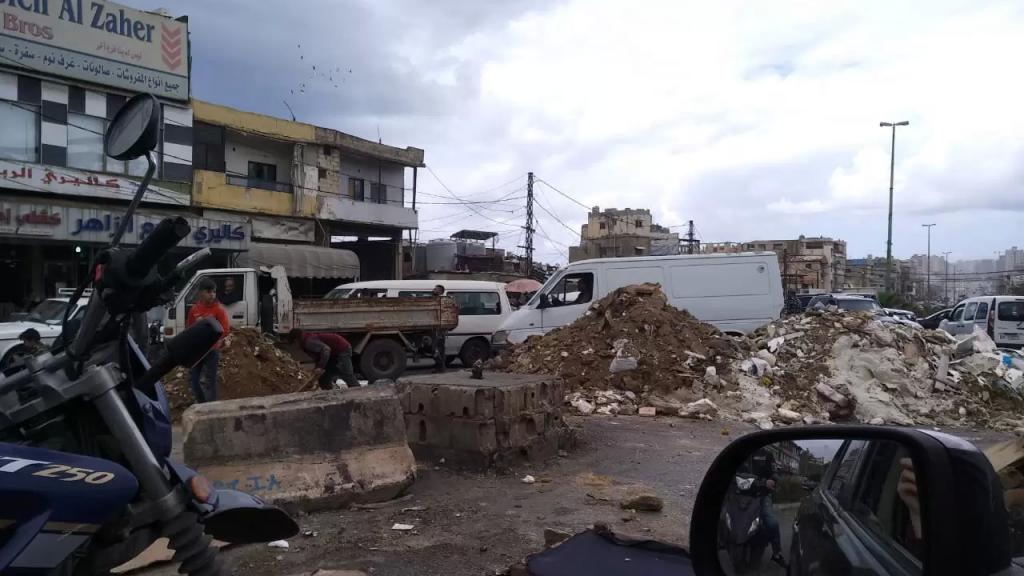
<point>586,286</point>
<point>440,335</point>
<point>231,293</point>
<point>207,306</point>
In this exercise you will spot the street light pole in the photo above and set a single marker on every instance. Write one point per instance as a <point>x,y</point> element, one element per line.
<point>945,284</point>
<point>928,266</point>
<point>892,170</point>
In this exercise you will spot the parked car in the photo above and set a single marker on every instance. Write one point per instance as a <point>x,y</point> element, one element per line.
<point>1002,317</point>
<point>46,318</point>
<point>932,322</point>
<point>738,293</point>
<point>483,306</point>
<point>904,314</point>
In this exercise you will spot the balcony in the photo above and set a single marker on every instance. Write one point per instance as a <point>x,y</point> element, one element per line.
<point>337,207</point>
<point>219,190</point>
<point>246,182</point>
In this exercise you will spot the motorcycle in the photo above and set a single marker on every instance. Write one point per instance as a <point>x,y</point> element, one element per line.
<point>86,479</point>
<point>741,531</point>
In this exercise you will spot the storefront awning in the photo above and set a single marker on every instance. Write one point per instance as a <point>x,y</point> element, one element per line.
<point>302,261</point>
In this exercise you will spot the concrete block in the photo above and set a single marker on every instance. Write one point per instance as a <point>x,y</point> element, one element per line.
<point>434,431</point>
<point>309,450</point>
<point>473,436</point>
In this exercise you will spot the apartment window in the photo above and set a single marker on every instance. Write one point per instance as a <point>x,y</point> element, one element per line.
<point>357,189</point>
<point>603,226</point>
<point>262,172</point>
<point>19,138</point>
<point>208,147</point>
<point>85,142</point>
<point>378,193</point>
<point>639,224</point>
<point>321,173</point>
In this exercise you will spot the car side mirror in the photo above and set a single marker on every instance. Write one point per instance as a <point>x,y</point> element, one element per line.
<point>544,302</point>
<point>929,502</point>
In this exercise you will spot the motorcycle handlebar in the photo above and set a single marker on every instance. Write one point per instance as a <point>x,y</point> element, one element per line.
<point>165,236</point>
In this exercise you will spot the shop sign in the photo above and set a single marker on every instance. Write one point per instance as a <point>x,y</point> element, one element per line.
<point>98,225</point>
<point>71,182</point>
<point>97,41</point>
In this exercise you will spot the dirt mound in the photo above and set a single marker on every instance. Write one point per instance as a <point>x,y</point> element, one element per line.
<point>632,341</point>
<point>251,365</point>
<point>840,366</point>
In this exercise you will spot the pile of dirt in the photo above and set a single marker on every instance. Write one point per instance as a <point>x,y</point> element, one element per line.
<point>251,365</point>
<point>832,365</point>
<point>632,347</point>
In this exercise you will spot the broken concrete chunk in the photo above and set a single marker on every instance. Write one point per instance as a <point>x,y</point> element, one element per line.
<point>583,407</point>
<point>876,421</point>
<point>789,416</point>
<point>702,407</point>
<point>648,411</point>
<point>831,394</point>
<point>622,364</point>
<point>644,502</point>
<point>767,357</point>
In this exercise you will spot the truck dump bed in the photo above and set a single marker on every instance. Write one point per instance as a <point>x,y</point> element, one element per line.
<point>361,315</point>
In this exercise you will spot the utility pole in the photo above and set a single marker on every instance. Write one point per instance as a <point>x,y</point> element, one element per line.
<point>945,284</point>
<point>689,238</point>
<point>528,246</point>
<point>892,170</point>
<point>928,266</point>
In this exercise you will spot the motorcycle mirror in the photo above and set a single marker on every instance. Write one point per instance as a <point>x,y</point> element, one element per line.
<point>135,129</point>
<point>850,499</point>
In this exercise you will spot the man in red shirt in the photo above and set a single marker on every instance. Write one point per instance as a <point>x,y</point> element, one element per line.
<point>332,354</point>
<point>207,306</point>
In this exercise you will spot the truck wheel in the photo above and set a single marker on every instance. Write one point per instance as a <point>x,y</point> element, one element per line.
<point>473,350</point>
<point>382,359</point>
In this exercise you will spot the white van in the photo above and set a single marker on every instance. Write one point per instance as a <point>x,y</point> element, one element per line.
<point>1001,316</point>
<point>738,293</point>
<point>483,307</point>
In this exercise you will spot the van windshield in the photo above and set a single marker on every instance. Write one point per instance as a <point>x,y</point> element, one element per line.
<point>1011,311</point>
<point>338,293</point>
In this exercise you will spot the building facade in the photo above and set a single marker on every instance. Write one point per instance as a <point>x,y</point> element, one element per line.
<point>617,233</point>
<point>306,186</point>
<point>61,198</point>
<point>808,265</point>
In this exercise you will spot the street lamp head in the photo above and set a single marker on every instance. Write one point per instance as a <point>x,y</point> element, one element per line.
<point>890,124</point>
<point>885,124</point>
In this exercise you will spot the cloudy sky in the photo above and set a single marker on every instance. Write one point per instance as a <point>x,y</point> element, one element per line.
<point>754,119</point>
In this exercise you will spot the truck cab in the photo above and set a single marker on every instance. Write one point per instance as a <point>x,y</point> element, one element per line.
<point>240,291</point>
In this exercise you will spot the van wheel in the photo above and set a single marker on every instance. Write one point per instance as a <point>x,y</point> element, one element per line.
<point>473,350</point>
<point>382,359</point>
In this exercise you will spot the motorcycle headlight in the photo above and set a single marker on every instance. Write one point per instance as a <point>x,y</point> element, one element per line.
<point>500,337</point>
<point>754,526</point>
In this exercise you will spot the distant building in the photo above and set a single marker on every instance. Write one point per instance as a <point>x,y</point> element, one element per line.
<point>628,232</point>
<point>868,275</point>
<point>808,264</point>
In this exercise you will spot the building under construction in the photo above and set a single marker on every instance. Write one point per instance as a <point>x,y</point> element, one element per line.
<point>627,232</point>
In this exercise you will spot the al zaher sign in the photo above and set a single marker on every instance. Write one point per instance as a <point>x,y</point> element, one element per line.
<point>98,42</point>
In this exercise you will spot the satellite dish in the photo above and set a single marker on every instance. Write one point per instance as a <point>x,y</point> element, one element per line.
<point>135,129</point>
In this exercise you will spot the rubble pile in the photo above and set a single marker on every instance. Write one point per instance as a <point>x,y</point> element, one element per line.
<point>251,365</point>
<point>831,365</point>
<point>629,350</point>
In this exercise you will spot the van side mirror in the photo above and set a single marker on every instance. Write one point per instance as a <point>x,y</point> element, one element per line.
<point>544,302</point>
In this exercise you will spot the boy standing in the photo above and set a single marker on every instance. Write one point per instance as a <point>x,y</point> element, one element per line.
<point>207,306</point>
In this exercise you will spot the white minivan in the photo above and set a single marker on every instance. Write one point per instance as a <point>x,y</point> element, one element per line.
<point>1001,316</point>
<point>483,306</point>
<point>738,293</point>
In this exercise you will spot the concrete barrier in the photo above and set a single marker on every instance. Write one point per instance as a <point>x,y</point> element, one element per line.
<point>311,450</point>
<point>483,423</point>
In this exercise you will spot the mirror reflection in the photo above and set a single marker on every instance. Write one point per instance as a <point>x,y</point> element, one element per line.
<point>823,507</point>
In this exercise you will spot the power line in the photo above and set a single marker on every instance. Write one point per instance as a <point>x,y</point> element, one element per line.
<point>557,219</point>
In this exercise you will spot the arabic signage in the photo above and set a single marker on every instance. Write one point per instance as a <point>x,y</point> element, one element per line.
<point>98,42</point>
<point>98,225</point>
<point>70,182</point>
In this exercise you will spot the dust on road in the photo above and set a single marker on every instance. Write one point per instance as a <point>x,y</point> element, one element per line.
<point>472,524</point>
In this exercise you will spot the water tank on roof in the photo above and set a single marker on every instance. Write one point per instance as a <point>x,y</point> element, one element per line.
<point>475,249</point>
<point>441,255</point>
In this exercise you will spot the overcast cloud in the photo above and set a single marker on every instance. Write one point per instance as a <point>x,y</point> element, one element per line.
<point>754,119</point>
